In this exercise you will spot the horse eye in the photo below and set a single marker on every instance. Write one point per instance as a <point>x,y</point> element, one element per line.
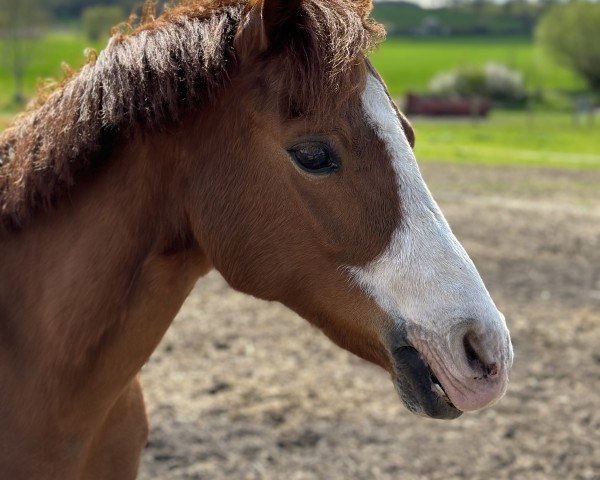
<point>314,158</point>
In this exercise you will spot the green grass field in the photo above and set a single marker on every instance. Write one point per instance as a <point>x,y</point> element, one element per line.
<point>409,64</point>
<point>545,138</point>
<point>46,55</point>
<point>406,64</point>
<point>507,138</point>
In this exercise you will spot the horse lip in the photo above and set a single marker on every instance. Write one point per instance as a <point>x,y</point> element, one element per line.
<point>438,385</point>
<point>416,386</point>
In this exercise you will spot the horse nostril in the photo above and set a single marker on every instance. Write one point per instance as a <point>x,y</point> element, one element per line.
<point>475,359</point>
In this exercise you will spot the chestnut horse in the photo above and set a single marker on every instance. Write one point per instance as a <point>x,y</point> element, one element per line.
<point>250,137</point>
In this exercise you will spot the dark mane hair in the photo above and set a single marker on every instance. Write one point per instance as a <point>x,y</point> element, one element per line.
<point>149,78</point>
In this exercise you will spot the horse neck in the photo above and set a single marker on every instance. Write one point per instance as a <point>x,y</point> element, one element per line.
<point>89,289</point>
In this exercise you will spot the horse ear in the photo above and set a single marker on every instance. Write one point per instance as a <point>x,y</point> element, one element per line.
<point>408,130</point>
<point>277,16</point>
<point>266,24</point>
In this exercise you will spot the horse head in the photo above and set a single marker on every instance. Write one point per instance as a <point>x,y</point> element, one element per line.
<point>303,188</point>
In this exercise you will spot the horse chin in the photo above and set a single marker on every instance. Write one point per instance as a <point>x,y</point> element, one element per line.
<point>419,389</point>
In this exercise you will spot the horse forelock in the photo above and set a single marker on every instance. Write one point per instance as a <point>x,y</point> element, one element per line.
<point>146,80</point>
<point>314,66</point>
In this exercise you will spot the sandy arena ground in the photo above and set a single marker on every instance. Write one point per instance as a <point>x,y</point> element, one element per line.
<point>244,389</point>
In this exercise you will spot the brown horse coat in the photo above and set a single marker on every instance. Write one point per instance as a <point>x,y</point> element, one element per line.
<point>185,146</point>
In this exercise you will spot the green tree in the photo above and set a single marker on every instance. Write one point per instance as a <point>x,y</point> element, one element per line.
<point>97,21</point>
<point>21,23</point>
<point>571,33</point>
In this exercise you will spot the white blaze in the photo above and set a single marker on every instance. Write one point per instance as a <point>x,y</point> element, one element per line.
<point>424,276</point>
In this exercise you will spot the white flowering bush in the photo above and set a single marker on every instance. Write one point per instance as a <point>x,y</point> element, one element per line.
<point>493,80</point>
<point>503,83</point>
<point>444,84</point>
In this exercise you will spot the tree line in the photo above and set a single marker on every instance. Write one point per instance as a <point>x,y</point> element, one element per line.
<point>69,9</point>
<point>393,10</point>
<point>569,31</point>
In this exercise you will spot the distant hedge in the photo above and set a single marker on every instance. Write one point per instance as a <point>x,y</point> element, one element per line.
<point>98,21</point>
<point>74,8</point>
<point>458,18</point>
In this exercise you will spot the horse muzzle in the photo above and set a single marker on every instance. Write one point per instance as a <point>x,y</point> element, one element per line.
<point>418,388</point>
<point>441,376</point>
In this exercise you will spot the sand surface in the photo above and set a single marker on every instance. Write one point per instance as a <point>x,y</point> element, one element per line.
<point>245,389</point>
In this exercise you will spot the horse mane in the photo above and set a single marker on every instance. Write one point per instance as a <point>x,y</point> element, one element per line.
<point>149,78</point>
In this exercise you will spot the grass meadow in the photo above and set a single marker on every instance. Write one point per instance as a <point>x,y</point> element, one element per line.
<point>543,138</point>
<point>538,138</point>
<point>410,63</point>
<point>46,57</point>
